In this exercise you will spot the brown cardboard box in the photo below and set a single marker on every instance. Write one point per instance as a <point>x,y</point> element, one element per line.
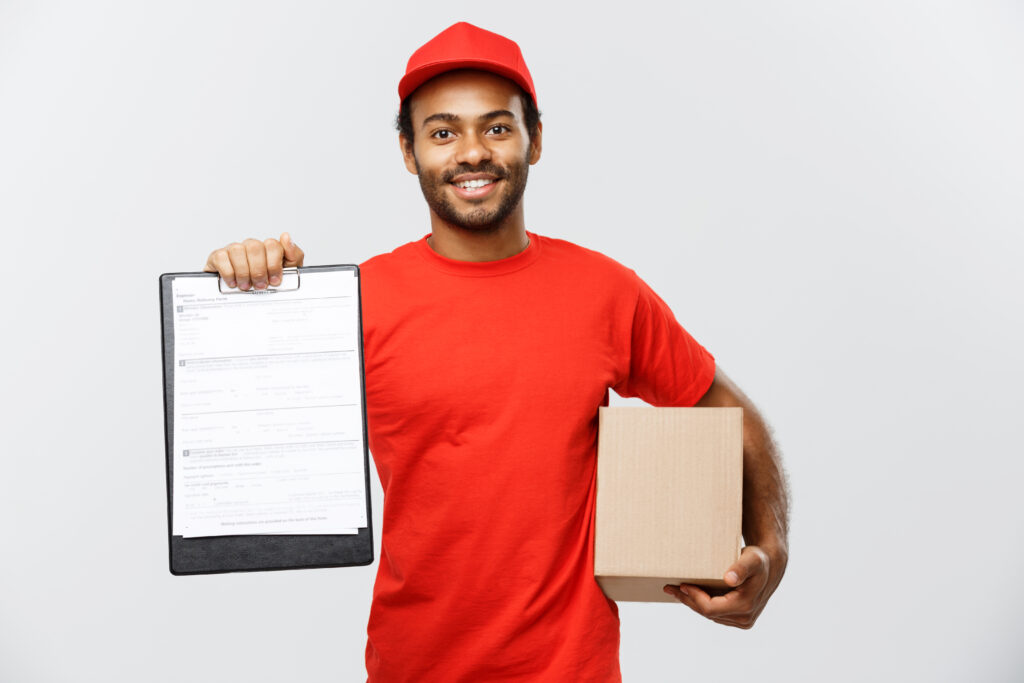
<point>669,499</point>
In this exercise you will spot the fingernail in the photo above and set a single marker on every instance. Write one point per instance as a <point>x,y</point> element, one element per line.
<point>732,577</point>
<point>683,590</point>
<point>261,284</point>
<point>232,283</point>
<point>667,590</point>
<point>275,279</point>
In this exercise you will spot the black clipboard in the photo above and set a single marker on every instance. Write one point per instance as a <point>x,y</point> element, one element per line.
<point>242,553</point>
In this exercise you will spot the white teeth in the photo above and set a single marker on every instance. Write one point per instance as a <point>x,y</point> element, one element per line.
<point>467,184</point>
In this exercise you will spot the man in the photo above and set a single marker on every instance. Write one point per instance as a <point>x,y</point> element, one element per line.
<point>488,351</point>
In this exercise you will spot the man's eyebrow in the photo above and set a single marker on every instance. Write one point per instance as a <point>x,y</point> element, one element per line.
<point>452,118</point>
<point>442,116</point>
<point>497,113</point>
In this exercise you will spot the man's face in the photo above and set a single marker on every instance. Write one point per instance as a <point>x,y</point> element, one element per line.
<point>470,149</point>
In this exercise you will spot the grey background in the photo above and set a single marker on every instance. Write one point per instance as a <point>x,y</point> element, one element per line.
<point>827,194</point>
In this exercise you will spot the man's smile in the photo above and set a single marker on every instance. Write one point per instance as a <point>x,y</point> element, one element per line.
<point>474,185</point>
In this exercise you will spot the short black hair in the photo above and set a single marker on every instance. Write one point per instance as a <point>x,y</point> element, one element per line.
<point>531,116</point>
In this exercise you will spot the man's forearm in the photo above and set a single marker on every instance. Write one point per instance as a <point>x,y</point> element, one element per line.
<point>756,574</point>
<point>766,497</point>
<point>765,493</point>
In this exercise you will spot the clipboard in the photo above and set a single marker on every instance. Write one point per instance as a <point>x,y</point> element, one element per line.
<point>258,552</point>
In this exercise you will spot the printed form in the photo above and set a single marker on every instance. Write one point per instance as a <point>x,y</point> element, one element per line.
<point>268,415</point>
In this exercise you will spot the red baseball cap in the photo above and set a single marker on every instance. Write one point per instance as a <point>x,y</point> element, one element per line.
<point>464,46</point>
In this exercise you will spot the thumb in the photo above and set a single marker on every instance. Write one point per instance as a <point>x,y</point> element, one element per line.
<point>292,254</point>
<point>752,561</point>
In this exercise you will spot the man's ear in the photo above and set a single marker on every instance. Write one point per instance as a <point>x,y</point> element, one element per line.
<point>407,154</point>
<point>535,144</point>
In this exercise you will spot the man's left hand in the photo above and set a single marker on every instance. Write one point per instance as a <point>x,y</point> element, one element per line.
<point>752,580</point>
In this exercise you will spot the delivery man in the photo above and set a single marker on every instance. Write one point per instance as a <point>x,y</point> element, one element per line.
<point>488,351</point>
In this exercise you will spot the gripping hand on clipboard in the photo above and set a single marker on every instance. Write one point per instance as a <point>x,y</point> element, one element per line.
<point>252,264</point>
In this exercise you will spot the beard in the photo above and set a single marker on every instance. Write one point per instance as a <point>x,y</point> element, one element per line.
<point>477,218</point>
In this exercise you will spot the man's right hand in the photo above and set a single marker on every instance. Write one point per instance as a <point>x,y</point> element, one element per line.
<point>252,264</point>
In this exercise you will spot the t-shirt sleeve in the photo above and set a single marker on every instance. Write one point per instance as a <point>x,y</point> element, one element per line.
<point>666,366</point>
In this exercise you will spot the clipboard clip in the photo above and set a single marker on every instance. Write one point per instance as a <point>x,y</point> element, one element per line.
<point>288,277</point>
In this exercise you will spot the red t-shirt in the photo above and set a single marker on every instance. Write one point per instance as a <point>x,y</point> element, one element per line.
<point>483,382</point>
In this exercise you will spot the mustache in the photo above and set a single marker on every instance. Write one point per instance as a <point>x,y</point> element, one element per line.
<point>487,167</point>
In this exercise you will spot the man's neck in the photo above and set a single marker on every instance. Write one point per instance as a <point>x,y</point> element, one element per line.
<point>461,244</point>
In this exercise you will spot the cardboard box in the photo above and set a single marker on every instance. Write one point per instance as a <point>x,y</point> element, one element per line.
<point>669,499</point>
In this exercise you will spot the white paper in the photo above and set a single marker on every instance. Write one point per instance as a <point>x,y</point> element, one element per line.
<point>268,430</point>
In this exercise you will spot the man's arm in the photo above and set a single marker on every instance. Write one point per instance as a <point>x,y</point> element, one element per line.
<point>757,573</point>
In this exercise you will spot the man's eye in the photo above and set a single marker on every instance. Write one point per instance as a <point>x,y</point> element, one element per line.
<point>499,129</point>
<point>441,134</point>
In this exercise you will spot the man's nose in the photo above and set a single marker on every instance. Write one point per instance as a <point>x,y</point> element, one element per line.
<point>472,150</point>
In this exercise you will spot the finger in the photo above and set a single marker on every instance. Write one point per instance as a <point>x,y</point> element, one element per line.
<point>752,562</point>
<point>240,264</point>
<point>735,602</point>
<point>681,594</point>
<point>698,598</point>
<point>211,261</point>
<point>293,256</point>
<point>274,255</point>
<point>257,255</point>
<point>211,265</point>
<point>689,595</point>
<point>735,623</point>
<point>222,265</point>
<point>685,593</point>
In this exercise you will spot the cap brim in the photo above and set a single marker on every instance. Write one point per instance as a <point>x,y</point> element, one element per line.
<point>424,73</point>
